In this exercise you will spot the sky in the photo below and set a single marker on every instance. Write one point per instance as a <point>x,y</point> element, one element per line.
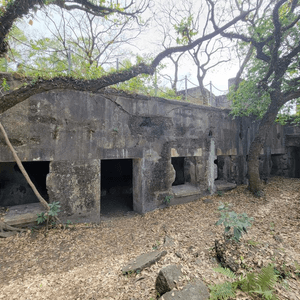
<point>147,43</point>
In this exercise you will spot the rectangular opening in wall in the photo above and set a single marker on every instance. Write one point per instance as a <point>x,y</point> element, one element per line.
<point>116,186</point>
<point>178,165</point>
<point>294,162</point>
<point>279,163</point>
<point>14,189</point>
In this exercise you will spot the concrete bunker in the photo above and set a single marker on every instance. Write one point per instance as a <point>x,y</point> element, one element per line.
<point>116,186</point>
<point>14,189</point>
<point>168,149</point>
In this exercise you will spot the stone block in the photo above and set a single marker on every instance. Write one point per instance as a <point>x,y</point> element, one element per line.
<point>143,261</point>
<point>192,291</point>
<point>167,278</point>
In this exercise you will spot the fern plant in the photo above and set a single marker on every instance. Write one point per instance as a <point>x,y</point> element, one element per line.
<point>226,290</point>
<point>261,283</point>
<point>221,291</point>
<point>225,271</point>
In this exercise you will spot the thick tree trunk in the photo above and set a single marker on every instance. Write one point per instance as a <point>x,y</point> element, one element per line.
<point>257,145</point>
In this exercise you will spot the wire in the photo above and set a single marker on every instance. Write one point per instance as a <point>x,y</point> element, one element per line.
<point>192,82</point>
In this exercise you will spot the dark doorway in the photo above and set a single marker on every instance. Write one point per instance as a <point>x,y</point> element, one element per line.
<point>278,165</point>
<point>295,162</point>
<point>216,169</point>
<point>178,164</point>
<point>116,186</point>
<point>14,189</point>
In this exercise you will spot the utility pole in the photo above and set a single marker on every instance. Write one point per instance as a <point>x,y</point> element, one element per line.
<point>210,93</point>
<point>185,80</point>
<point>69,61</point>
<point>155,82</point>
<point>5,64</point>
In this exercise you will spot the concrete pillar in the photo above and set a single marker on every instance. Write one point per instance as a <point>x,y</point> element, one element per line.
<point>76,185</point>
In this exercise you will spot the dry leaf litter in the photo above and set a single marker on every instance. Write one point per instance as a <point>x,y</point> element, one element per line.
<point>85,260</point>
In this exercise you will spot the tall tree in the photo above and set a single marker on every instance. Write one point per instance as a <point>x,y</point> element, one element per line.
<point>82,40</point>
<point>166,30</point>
<point>183,22</point>
<point>273,76</point>
<point>19,8</point>
<point>11,10</point>
<point>208,54</point>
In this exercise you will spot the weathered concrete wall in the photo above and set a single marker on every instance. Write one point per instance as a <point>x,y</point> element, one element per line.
<point>76,186</point>
<point>76,130</point>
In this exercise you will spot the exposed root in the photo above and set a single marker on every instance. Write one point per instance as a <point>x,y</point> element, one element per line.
<point>7,230</point>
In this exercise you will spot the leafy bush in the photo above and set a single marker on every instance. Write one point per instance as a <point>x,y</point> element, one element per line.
<point>230,219</point>
<point>53,212</point>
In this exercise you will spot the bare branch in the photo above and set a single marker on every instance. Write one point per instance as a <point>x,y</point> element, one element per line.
<point>244,64</point>
<point>171,50</point>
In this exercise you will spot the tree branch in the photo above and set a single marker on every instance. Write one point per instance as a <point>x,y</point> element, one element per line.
<point>20,165</point>
<point>217,31</point>
<point>42,85</point>
<point>99,10</point>
<point>20,8</point>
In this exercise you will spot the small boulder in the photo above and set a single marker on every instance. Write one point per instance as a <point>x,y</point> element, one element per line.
<point>168,242</point>
<point>278,238</point>
<point>192,291</point>
<point>143,261</point>
<point>228,254</point>
<point>208,201</point>
<point>167,278</point>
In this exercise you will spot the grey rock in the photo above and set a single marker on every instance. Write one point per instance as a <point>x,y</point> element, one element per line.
<point>167,278</point>
<point>278,238</point>
<point>168,241</point>
<point>208,201</point>
<point>143,261</point>
<point>227,252</point>
<point>178,254</point>
<point>192,291</point>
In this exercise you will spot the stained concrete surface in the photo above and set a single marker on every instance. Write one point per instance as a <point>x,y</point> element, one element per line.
<point>23,214</point>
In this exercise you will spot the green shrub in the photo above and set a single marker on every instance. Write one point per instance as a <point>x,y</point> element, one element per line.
<point>231,220</point>
<point>53,212</point>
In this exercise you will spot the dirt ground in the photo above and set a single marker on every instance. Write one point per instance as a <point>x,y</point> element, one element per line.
<point>85,260</point>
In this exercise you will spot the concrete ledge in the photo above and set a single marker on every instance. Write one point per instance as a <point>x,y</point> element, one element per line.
<point>222,185</point>
<point>23,214</point>
<point>185,193</point>
<point>185,190</point>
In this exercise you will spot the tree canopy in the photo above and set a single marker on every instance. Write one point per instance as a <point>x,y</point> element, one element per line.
<point>273,75</point>
<point>14,9</point>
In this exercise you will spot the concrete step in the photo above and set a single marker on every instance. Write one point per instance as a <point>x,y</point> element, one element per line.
<point>222,185</point>
<point>185,190</point>
<point>21,215</point>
